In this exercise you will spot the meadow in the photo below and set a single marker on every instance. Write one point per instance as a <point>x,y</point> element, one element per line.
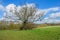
<point>44,33</point>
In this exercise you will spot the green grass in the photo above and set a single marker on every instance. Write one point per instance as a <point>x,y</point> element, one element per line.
<point>52,33</point>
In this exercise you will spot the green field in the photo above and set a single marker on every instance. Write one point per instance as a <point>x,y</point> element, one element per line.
<point>50,33</point>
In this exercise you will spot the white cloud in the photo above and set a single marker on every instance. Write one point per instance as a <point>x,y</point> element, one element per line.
<point>11,8</point>
<point>51,19</point>
<point>54,9</point>
<point>51,9</point>
<point>55,15</point>
<point>1,7</point>
<point>52,16</point>
<point>47,20</point>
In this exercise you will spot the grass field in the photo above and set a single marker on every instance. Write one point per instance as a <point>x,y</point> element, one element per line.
<point>50,33</point>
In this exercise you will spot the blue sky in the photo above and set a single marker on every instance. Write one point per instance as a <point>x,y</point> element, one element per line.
<point>41,4</point>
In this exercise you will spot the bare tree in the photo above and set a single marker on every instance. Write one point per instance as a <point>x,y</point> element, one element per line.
<point>27,13</point>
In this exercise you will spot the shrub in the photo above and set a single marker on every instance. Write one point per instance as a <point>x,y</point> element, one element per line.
<point>28,26</point>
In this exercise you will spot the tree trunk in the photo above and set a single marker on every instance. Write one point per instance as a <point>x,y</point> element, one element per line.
<point>24,26</point>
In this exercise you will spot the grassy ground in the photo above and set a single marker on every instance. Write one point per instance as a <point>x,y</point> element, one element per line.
<point>50,33</point>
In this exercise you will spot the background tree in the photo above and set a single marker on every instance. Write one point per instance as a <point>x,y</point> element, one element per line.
<point>26,14</point>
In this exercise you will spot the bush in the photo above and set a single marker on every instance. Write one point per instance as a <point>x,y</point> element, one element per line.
<point>8,26</point>
<point>28,26</point>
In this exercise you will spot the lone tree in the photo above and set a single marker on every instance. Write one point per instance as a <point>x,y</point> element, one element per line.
<point>26,14</point>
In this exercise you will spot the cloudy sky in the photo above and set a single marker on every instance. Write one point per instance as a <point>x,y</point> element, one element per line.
<point>52,8</point>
